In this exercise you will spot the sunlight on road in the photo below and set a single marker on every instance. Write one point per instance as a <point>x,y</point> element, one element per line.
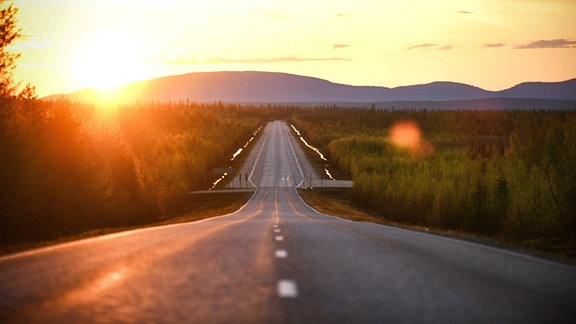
<point>92,289</point>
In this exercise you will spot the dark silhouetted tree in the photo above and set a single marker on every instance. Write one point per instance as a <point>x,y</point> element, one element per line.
<point>8,33</point>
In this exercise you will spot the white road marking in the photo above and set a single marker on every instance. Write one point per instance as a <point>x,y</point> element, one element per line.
<point>276,230</point>
<point>287,289</point>
<point>295,157</point>
<point>281,254</point>
<point>279,238</point>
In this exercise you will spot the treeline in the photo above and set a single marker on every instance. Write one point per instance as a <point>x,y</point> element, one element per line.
<point>67,168</point>
<point>491,172</point>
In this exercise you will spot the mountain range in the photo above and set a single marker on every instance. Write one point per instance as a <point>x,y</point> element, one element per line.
<point>271,87</point>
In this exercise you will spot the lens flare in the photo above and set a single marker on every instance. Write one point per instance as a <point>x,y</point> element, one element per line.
<point>408,135</point>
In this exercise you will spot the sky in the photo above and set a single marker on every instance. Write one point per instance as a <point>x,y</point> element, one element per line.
<point>68,45</point>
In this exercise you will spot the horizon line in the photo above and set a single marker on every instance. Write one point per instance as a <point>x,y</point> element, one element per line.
<point>298,75</point>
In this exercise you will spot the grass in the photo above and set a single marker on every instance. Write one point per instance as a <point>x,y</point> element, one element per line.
<point>199,206</point>
<point>341,203</point>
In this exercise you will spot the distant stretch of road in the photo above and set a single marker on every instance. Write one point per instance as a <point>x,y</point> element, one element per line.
<point>278,261</point>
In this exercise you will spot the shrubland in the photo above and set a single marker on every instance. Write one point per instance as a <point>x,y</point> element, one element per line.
<point>499,173</point>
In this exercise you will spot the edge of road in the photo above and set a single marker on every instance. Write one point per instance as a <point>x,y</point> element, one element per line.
<point>479,242</point>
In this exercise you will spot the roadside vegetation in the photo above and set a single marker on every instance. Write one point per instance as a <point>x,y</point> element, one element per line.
<point>67,168</point>
<point>508,174</point>
<point>64,168</point>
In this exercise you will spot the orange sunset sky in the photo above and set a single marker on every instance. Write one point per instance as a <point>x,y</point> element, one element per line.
<point>67,45</point>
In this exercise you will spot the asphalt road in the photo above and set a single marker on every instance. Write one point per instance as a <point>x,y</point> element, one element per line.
<point>278,261</point>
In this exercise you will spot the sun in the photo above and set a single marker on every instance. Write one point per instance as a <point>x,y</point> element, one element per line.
<point>109,59</point>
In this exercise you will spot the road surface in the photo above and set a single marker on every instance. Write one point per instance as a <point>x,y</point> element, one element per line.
<point>278,261</point>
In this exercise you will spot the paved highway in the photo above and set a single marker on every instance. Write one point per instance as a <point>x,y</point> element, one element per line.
<point>278,261</point>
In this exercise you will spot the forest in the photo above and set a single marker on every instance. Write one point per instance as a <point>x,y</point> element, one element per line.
<point>499,173</point>
<point>67,168</point>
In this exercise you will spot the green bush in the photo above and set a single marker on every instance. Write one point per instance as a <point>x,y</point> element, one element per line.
<point>492,172</point>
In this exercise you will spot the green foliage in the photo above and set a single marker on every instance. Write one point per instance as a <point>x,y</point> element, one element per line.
<point>492,172</point>
<point>177,146</point>
<point>65,169</point>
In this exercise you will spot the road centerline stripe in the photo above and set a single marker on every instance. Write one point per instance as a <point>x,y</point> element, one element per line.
<point>281,254</point>
<point>287,288</point>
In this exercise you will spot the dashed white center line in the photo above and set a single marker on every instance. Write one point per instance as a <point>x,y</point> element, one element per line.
<point>281,253</point>
<point>276,230</point>
<point>279,238</point>
<point>287,289</point>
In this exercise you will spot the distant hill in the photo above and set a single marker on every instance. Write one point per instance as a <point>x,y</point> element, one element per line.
<point>542,90</point>
<point>269,87</point>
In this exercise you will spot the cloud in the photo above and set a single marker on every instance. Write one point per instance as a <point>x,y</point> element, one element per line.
<point>185,60</point>
<point>40,65</point>
<point>493,45</point>
<point>549,43</point>
<point>465,12</point>
<point>286,59</point>
<point>26,41</point>
<point>339,46</point>
<point>421,46</point>
<point>429,46</point>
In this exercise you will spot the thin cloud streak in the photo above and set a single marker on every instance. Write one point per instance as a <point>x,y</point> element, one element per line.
<point>549,43</point>
<point>493,45</point>
<point>256,60</point>
<point>30,41</point>
<point>429,46</point>
<point>339,46</point>
<point>421,46</point>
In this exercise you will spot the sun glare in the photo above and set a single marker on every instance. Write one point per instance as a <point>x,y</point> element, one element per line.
<point>107,60</point>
